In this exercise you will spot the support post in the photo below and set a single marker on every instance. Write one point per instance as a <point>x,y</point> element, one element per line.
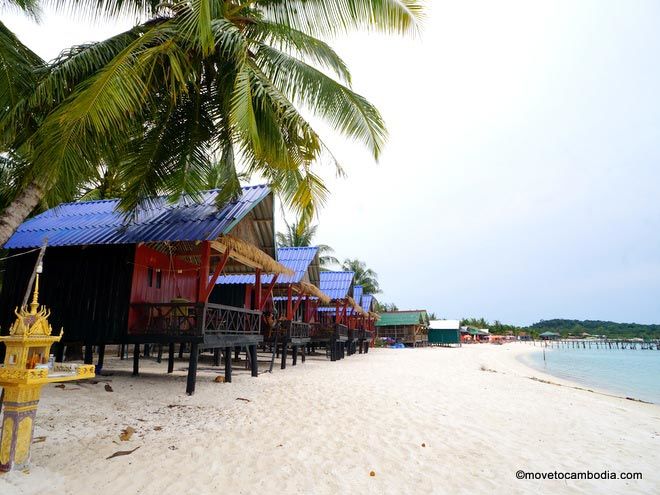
<point>216,356</point>
<point>89,354</point>
<point>294,355</point>
<point>192,368</point>
<point>254,364</point>
<point>170,358</point>
<point>284,352</point>
<point>99,365</point>
<point>136,360</point>
<point>227,356</point>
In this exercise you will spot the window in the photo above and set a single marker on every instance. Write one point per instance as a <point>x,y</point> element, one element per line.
<point>150,277</point>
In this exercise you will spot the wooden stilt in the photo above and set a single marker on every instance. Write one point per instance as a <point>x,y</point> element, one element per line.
<point>303,353</point>
<point>284,352</point>
<point>99,364</point>
<point>227,356</point>
<point>89,354</point>
<point>294,355</point>
<point>59,353</point>
<point>182,347</point>
<point>216,356</point>
<point>192,368</point>
<point>170,358</point>
<point>159,358</point>
<point>254,364</point>
<point>136,360</point>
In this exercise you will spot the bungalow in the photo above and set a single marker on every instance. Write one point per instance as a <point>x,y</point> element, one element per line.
<point>109,279</point>
<point>408,327</point>
<point>289,302</point>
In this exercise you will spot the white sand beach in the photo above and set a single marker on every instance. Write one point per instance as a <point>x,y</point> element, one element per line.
<point>423,420</point>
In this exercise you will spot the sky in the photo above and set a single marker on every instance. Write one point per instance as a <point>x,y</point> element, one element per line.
<point>520,178</point>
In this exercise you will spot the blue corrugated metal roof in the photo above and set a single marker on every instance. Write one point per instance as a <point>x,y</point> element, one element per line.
<point>297,259</point>
<point>336,284</point>
<point>366,301</point>
<point>357,294</point>
<point>99,222</point>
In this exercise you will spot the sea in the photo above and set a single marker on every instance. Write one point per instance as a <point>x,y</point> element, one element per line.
<point>623,372</point>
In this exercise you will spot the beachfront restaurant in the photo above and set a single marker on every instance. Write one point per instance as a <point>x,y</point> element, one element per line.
<point>407,327</point>
<point>146,280</point>
<point>289,302</point>
<point>549,336</point>
<point>444,332</point>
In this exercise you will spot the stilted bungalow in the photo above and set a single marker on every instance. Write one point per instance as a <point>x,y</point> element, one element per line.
<point>368,304</point>
<point>407,327</point>
<point>148,281</point>
<point>331,329</point>
<point>289,302</point>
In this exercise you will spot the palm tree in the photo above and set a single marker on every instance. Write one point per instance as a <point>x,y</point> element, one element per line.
<point>299,235</point>
<point>204,86</point>
<point>364,276</point>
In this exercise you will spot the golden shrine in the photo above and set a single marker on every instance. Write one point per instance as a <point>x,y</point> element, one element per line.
<point>26,369</point>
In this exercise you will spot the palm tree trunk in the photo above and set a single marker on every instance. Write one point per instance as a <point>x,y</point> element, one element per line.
<point>19,209</point>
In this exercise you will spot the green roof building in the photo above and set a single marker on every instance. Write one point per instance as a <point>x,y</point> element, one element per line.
<point>408,327</point>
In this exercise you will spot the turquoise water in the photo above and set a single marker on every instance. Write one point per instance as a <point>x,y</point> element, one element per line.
<point>629,373</point>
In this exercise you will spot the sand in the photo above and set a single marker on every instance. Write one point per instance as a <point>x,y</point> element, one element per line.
<point>431,420</point>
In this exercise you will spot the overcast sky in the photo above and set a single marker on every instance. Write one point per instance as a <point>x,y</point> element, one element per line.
<point>520,178</point>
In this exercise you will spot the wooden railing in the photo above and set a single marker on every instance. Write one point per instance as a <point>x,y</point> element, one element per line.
<point>298,329</point>
<point>193,320</point>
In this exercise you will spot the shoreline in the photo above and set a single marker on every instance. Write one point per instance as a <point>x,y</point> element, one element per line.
<point>427,420</point>
<point>550,378</point>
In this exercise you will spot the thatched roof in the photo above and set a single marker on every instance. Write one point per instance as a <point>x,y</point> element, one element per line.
<point>356,307</point>
<point>313,290</point>
<point>248,254</point>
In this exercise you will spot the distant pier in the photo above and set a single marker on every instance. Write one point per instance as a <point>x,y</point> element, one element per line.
<point>624,344</point>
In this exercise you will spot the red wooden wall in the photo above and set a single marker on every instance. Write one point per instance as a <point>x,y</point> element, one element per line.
<point>178,279</point>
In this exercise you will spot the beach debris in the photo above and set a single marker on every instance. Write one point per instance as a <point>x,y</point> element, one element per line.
<point>122,452</point>
<point>372,473</point>
<point>108,388</point>
<point>158,428</point>
<point>485,368</point>
<point>245,400</point>
<point>61,385</point>
<point>39,439</point>
<point>219,379</point>
<point>126,434</point>
<point>423,445</point>
<point>94,382</point>
<point>172,447</point>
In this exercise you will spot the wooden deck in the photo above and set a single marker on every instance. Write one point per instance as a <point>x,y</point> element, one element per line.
<point>204,326</point>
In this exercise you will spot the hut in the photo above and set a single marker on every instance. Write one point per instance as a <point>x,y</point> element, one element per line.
<point>331,329</point>
<point>549,336</point>
<point>146,280</point>
<point>368,304</point>
<point>444,332</point>
<point>407,327</point>
<point>289,302</point>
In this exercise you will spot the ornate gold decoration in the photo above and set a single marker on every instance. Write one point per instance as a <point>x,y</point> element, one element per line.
<point>7,434</point>
<point>32,322</point>
<point>23,440</point>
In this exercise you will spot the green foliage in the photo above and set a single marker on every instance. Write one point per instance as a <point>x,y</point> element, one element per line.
<point>364,276</point>
<point>204,89</point>
<point>385,307</point>
<point>299,235</point>
<point>596,327</point>
<point>496,327</point>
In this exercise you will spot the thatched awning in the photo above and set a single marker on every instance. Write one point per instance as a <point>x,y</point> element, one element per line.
<point>249,255</point>
<point>313,290</point>
<point>356,307</point>
<point>375,316</point>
